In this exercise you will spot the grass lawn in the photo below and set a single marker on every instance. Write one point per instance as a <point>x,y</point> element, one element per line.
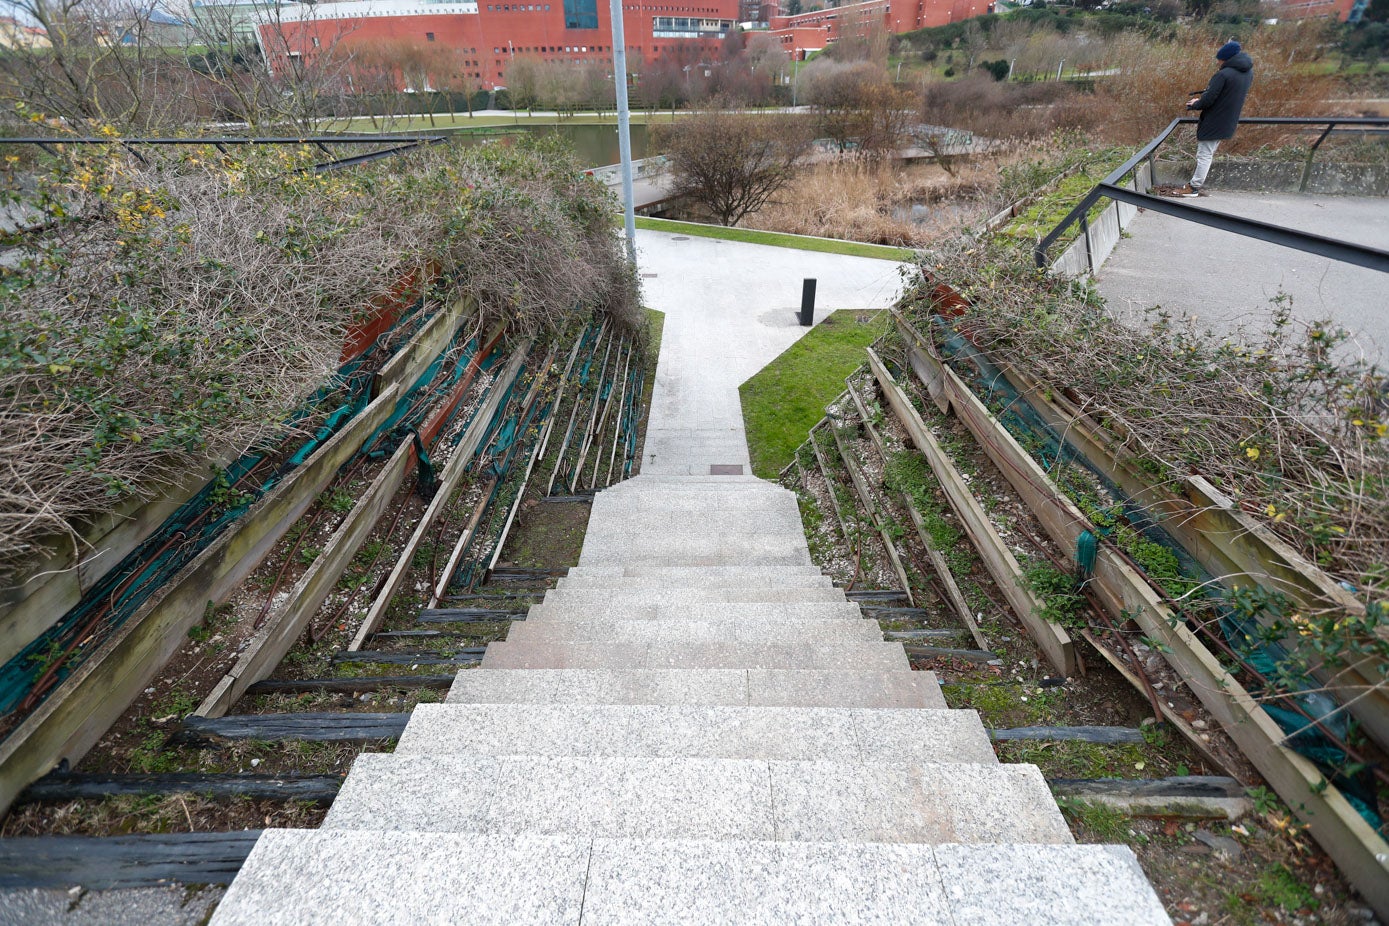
<point>777,239</point>
<point>785,399</point>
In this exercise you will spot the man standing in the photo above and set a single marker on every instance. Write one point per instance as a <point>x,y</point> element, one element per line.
<point>1220,107</point>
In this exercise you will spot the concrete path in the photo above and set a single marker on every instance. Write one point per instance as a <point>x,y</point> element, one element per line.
<point>1226,280</point>
<point>695,726</point>
<point>730,310</point>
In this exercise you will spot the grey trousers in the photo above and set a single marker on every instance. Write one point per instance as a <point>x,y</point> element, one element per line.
<point>1205,152</point>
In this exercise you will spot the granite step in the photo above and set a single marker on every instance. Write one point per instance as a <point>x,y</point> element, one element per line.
<point>700,732</point>
<point>330,878</point>
<point>681,571</point>
<point>562,610</point>
<point>730,687</point>
<point>699,799</point>
<point>737,630</point>
<point>760,581</point>
<point>698,594</point>
<point>879,657</point>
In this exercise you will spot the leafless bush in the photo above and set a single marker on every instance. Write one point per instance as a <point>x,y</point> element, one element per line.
<point>179,309</point>
<point>1003,109</point>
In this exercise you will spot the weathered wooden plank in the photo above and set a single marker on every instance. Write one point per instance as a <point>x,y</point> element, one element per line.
<point>467,615</point>
<point>1360,852</point>
<point>449,479</point>
<point>286,622</point>
<point>1227,542</point>
<point>465,656</point>
<point>973,655</point>
<point>536,385</point>
<point>311,727</point>
<point>1050,637</point>
<point>871,594</point>
<point>824,466</point>
<point>942,568</point>
<point>55,787</point>
<point>1176,786</point>
<point>107,862</point>
<point>36,598</point>
<point>860,486</point>
<point>1178,722</point>
<point>922,634</point>
<point>1082,734</point>
<point>409,363</point>
<point>351,685</point>
<point>78,714</point>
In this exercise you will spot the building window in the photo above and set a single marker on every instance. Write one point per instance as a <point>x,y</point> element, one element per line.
<point>315,41</point>
<point>429,36</point>
<point>581,14</point>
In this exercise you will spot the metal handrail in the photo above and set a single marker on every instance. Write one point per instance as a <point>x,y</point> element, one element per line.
<point>1348,252</point>
<point>406,143</point>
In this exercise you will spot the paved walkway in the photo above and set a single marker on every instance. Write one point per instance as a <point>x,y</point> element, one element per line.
<point>695,726</point>
<point>1226,280</point>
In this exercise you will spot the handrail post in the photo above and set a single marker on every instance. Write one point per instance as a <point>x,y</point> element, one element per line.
<point>1312,153</point>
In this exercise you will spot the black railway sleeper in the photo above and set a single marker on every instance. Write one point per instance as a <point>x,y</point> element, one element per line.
<point>466,656</point>
<point>107,862</point>
<point>468,615</point>
<point>56,786</point>
<point>1115,735</point>
<point>352,685</point>
<point>203,732</point>
<point>1195,786</point>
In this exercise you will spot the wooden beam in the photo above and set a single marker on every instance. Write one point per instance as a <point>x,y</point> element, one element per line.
<point>1049,636</point>
<point>285,624</point>
<point>310,727</point>
<point>352,685</point>
<point>947,578</point>
<point>79,712</point>
<point>860,486</point>
<point>55,787</point>
<point>410,362</point>
<point>449,479</point>
<point>101,863</point>
<point>829,486</point>
<point>1102,735</point>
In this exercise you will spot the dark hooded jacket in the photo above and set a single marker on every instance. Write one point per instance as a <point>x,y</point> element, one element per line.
<point>1223,100</point>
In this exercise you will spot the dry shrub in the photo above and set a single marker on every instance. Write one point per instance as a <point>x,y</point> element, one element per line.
<point>1156,79</point>
<point>1002,109</point>
<point>861,200</point>
<point>179,309</point>
<point>1284,420</point>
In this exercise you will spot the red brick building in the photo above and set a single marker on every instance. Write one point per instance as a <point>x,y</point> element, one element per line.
<point>485,36</point>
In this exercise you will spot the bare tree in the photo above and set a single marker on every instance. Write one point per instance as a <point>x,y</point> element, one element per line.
<point>732,164</point>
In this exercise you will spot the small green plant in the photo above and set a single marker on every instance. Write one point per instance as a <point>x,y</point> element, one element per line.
<point>1265,801</point>
<point>307,555</point>
<point>1279,887</point>
<point>338,501</point>
<point>1100,822</point>
<point>1060,598</point>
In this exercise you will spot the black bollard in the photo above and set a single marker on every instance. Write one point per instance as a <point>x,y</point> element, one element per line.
<point>807,303</point>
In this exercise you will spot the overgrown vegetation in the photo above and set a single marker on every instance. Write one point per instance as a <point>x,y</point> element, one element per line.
<point>1284,421</point>
<point>160,313</point>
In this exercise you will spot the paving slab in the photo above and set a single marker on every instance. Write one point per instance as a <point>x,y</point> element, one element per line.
<point>790,655</point>
<point>694,731</point>
<point>829,610</point>
<point>335,878</point>
<point>682,597</point>
<point>755,630</point>
<point>902,688</point>
<point>762,883</point>
<point>1047,886</point>
<point>687,798</point>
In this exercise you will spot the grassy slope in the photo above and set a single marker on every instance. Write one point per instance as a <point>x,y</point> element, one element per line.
<point>785,399</point>
<point>777,239</point>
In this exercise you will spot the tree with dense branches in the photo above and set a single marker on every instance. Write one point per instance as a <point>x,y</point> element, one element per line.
<point>731,163</point>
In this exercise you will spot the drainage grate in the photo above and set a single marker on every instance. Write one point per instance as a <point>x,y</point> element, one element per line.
<point>726,469</point>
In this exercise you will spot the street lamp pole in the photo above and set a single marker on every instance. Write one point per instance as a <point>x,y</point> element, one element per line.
<point>624,126</point>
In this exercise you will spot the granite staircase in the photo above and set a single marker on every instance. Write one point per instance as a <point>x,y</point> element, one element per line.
<point>693,727</point>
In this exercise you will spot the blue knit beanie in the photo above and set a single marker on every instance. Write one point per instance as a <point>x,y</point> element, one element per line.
<point>1228,51</point>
